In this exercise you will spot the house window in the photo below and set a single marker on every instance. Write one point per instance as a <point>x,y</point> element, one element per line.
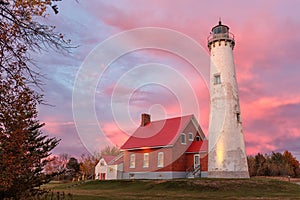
<point>197,138</point>
<point>191,136</point>
<point>146,160</point>
<point>183,138</point>
<point>217,79</point>
<point>132,161</point>
<point>111,169</point>
<point>102,163</point>
<point>160,160</point>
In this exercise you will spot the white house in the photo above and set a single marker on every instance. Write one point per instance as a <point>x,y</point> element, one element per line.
<point>109,168</point>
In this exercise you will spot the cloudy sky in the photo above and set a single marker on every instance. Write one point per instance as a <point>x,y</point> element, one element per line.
<point>111,91</point>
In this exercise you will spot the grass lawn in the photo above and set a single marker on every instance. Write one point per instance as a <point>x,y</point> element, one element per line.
<point>254,188</point>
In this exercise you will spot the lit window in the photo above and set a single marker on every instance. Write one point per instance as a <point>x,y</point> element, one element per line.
<point>146,159</point>
<point>183,139</point>
<point>160,160</point>
<point>217,79</point>
<point>191,136</point>
<point>132,161</point>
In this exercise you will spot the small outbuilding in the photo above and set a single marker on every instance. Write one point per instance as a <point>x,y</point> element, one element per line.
<point>109,168</point>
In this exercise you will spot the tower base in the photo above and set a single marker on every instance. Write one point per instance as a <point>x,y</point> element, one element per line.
<point>228,174</point>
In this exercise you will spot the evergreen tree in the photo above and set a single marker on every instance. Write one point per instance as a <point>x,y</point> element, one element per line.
<point>23,147</point>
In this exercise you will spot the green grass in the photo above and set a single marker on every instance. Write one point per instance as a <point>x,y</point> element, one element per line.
<point>254,188</point>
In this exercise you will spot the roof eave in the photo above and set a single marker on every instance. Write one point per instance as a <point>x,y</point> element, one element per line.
<point>141,148</point>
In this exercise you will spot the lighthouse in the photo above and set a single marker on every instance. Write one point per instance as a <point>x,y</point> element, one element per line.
<point>227,154</point>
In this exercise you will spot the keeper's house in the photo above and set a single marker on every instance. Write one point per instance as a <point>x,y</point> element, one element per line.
<point>166,149</point>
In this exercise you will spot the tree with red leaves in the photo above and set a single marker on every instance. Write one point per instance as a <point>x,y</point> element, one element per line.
<point>23,147</point>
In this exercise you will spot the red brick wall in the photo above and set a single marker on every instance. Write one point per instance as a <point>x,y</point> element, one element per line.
<point>153,159</point>
<point>189,160</point>
<point>204,162</point>
<point>175,158</point>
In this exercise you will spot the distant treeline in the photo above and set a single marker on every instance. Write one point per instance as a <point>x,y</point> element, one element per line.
<point>274,164</point>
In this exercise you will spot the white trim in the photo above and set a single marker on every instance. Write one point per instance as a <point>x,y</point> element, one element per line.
<point>155,147</point>
<point>155,175</point>
<point>197,152</point>
<point>198,128</point>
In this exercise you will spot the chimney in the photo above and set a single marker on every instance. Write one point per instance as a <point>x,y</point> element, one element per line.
<point>146,119</point>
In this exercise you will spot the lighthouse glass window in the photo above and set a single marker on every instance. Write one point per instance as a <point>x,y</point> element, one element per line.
<point>217,79</point>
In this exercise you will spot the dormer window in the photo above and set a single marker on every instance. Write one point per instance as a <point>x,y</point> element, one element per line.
<point>191,136</point>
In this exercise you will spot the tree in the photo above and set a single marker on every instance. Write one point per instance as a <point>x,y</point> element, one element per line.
<point>261,165</point>
<point>87,165</point>
<point>57,165</point>
<point>274,164</point>
<point>23,147</point>
<point>251,166</point>
<point>73,167</point>
<point>110,151</point>
<point>22,32</point>
<point>292,162</point>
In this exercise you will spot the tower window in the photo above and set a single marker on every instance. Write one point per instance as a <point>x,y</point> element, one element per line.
<point>238,117</point>
<point>217,79</point>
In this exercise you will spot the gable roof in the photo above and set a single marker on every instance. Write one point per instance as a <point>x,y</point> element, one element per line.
<point>117,160</point>
<point>108,158</point>
<point>160,133</point>
<point>198,146</point>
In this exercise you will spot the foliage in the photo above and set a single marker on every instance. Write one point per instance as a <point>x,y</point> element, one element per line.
<point>22,32</point>
<point>110,151</point>
<point>87,165</point>
<point>23,147</point>
<point>73,167</point>
<point>274,164</point>
<point>57,165</point>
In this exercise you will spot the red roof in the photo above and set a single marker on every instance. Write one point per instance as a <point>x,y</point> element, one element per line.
<point>198,146</point>
<point>157,133</point>
<point>117,160</point>
<point>108,158</point>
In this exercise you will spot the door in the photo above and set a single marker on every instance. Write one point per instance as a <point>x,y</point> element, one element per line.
<point>102,176</point>
<point>196,161</point>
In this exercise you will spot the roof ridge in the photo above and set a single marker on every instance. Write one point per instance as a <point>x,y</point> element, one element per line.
<point>172,118</point>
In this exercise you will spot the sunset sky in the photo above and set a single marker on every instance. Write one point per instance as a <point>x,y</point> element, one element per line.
<point>267,61</point>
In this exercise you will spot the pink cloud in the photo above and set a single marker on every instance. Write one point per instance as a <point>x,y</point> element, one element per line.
<point>266,57</point>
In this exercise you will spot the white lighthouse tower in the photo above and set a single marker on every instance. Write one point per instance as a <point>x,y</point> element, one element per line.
<point>227,155</point>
